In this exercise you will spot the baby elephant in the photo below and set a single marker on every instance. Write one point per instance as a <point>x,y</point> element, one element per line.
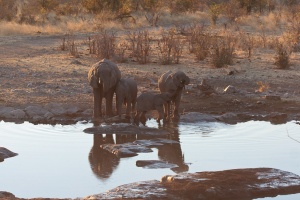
<point>126,92</point>
<point>149,101</point>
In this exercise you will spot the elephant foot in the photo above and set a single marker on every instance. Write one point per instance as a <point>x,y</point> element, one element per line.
<point>167,119</point>
<point>176,118</point>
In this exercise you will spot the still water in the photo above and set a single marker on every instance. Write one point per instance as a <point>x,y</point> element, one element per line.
<point>60,161</point>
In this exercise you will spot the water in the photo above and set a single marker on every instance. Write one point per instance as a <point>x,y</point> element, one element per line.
<point>60,161</point>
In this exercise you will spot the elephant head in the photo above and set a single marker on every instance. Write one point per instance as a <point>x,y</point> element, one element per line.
<point>180,79</point>
<point>163,98</point>
<point>104,74</point>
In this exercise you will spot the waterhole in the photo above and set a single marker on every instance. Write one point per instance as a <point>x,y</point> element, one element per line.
<point>60,161</point>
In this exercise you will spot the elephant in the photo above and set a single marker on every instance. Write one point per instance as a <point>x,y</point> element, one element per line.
<point>174,84</point>
<point>103,76</point>
<point>126,92</point>
<point>149,101</point>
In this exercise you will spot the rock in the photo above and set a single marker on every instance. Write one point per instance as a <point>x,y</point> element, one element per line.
<point>194,117</point>
<point>49,115</point>
<point>72,110</point>
<point>34,111</point>
<point>230,118</point>
<point>5,110</point>
<point>246,183</point>
<point>230,89</point>
<point>18,114</point>
<point>155,142</point>
<point>12,113</point>
<point>55,108</point>
<point>126,149</point>
<point>272,97</point>
<point>88,112</point>
<point>205,88</point>
<point>278,118</point>
<point>154,164</point>
<point>124,128</point>
<point>6,195</point>
<point>5,153</point>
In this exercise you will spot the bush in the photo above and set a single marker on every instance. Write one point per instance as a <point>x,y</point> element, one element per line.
<point>140,45</point>
<point>170,47</point>
<point>282,58</point>
<point>199,42</point>
<point>103,44</point>
<point>222,51</point>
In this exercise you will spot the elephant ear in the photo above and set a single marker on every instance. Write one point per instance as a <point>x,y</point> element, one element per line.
<point>176,79</point>
<point>115,76</point>
<point>187,80</point>
<point>93,76</point>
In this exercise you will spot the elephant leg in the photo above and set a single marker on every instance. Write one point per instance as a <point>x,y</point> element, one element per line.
<point>169,111</point>
<point>161,114</point>
<point>119,101</point>
<point>143,118</point>
<point>176,107</point>
<point>97,102</point>
<point>137,118</point>
<point>109,100</point>
<point>128,108</point>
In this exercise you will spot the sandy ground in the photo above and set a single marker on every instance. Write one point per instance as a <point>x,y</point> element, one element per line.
<point>33,70</point>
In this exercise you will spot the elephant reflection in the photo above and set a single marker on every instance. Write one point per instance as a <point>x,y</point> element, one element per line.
<point>174,84</point>
<point>103,77</point>
<point>172,153</point>
<point>101,161</point>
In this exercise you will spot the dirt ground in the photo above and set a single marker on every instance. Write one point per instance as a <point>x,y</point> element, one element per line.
<point>33,70</point>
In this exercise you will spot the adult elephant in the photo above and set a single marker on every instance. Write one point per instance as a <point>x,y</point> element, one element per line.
<point>103,76</point>
<point>174,84</point>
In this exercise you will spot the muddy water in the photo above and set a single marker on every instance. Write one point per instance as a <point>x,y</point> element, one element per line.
<point>60,161</point>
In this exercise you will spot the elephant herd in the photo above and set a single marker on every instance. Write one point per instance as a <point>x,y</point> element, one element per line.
<point>105,79</point>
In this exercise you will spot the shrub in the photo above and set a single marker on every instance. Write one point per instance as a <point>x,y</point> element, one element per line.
<point>73,48</point>
<point>199,42</point>
<point>222,51</point>
<point>214,11</point>
<point>282,57</point>
<point>120,51</point>
<point>103,44</point>
<point>140,45</point>
<point>247,42</point>
<point>232,10</point>
<point>170,47</point>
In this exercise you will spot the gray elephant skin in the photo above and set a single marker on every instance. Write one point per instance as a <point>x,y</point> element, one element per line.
<point>103,76</point>
<point>149,101</point>
<point>173,83</point>
<point>126,92</point>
